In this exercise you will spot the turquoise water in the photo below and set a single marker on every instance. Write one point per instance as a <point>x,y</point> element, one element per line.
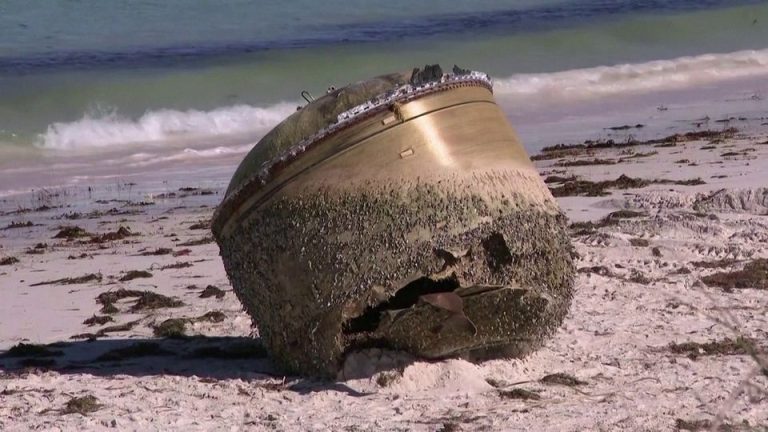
<point>153,78</point>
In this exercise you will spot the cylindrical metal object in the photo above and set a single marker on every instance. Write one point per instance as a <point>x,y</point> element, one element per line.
<point>415,221</point>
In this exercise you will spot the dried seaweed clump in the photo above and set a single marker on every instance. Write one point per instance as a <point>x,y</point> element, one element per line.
<point>82,405</point>
<point>727,346</point>
<point>71,232</point>
<point>754,275</point>
<point>145,300</point>
<point>9,260</point>
<point>600,188</point>
<point>91,277</point>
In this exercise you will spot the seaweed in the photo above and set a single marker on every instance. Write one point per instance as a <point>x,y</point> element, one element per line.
<point>582,162</point>
<point>520,394</point>
<point>81,256</point>
<point>212,316</point>
<point>387,378</point>
<point>754,275</point>
<point>38,249</point>
<point>598,270</point>
<point>98,320</point>
<point>727,346</point>
<point>639,278</point>
<point>71,232</point>
<point>176,327</point>
<point>639,155</point>
<point>121,233</point>
<point>82,405</point>
<point>135,274</point>
<point>150,300</point>
<point>561,150</point>
<point>146,300</point>
<point>9,260</point>
<point>178,265</point>
<point>596,189</point>
<point>589,227</point>
<point>559,179</point>
<point>562,379</point>
<point>91,277</point>
<point>681,271</point>
<point>722,263</point>
<point>111,329</point>
<point>171,328</point>
<point>157,252</point>
<point>202,225</point>
<point>15,225</point>
<point>198,242</point>
<point>211,291</point>
<point>113,296</point>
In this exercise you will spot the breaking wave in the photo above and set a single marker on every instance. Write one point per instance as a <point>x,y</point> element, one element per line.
<point>596,82</point>
<point>537,90</point>
<point>108,130</point>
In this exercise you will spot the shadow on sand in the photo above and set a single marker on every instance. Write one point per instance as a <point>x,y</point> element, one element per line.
<point>208,358</point>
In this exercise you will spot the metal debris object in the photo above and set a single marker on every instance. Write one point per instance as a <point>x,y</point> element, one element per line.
<point>397,212</point>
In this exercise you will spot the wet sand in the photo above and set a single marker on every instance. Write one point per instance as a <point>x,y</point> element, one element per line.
<point>669,311</point>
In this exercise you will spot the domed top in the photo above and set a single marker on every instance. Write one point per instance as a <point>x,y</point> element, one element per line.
<point>309,120</point>
<point>325,116</point>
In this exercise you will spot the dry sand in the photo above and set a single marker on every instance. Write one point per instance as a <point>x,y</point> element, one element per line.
<point>639,290</point>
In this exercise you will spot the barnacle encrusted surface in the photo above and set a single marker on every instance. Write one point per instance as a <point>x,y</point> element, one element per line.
<point>329,269</point>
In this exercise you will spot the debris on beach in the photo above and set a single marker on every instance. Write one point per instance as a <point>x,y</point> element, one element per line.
<point>575,187</point>
<point>197,242</point>
<point>82,405</point>
<point>157,252</point>
<point>144,300</point>
<point>135,274</point>
<point>727,346</point>
<point>438,250</point>
<point>754,275</point>
<point>98,320</point>
<point>212,291</point>
<point>120,234</point>
<point>71,232</point>
<point>562,379</point>
<point>91,277</point>
<point>9,260</point>
<point>16,225</point>
<point>37,249</point>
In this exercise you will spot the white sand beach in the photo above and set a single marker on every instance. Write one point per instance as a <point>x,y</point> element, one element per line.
<point>668,323</point>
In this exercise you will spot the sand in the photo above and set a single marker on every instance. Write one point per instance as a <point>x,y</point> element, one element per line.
<point>638,291</point>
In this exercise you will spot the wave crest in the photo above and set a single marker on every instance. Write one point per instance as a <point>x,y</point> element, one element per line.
<point>590,83</point>
<point>108,130</point>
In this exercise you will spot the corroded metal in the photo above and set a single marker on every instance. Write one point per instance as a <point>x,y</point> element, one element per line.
<point>416,222</point>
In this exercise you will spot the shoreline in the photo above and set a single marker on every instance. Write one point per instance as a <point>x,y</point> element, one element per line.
<point>743,102</point>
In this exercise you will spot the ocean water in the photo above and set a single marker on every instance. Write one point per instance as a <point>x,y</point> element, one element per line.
<point>95,89</point>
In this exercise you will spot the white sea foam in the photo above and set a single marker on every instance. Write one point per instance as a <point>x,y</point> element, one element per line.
<point>188,154</point>
<point>111,130</point>
<point>597,82</point>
